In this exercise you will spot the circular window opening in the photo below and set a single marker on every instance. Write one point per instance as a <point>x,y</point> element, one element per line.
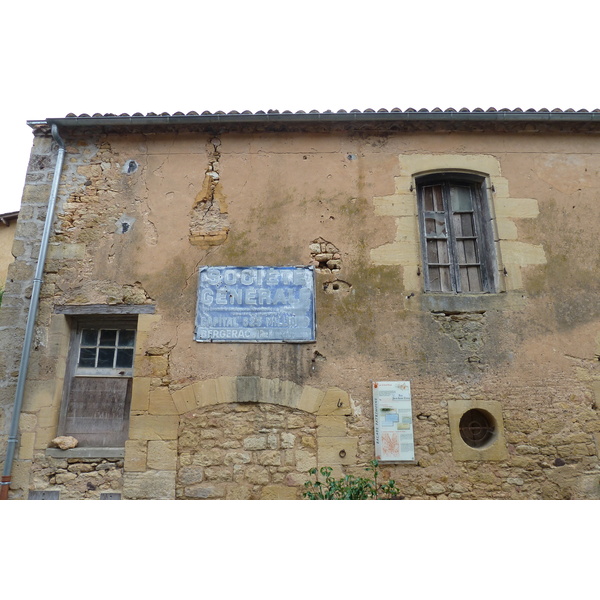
<point>477,428</point>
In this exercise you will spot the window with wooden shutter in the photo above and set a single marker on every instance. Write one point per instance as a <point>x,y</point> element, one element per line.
<point>456,234</point>
<point>97,393</point>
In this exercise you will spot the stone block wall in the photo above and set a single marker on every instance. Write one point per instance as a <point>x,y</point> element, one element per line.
<point>19,281</point>
<point>244,452</point>
<point>77,478</point>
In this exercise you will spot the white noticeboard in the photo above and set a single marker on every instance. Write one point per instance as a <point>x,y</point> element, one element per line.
<point>392,408</point>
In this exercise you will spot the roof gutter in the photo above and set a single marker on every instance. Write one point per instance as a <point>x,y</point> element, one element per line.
<point>31,317</point>
<point>314,117</point>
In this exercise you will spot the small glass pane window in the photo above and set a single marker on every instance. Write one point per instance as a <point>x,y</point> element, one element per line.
<point>106,349</point>
<point>87,357</point>
<point>460,199</point>
<point>124,358</point>
<point>106,358</point>
<point>126,337</point>
<point>89,337</point>
<point>108,337</point>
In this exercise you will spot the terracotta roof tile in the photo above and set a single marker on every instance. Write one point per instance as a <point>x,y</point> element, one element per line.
<point>341,116</point>
<point>437,109</point>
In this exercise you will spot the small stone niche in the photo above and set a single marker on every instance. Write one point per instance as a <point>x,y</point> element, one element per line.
<point>326,256</point>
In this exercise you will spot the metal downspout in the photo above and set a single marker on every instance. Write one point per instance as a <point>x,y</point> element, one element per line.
<point>31,317</point>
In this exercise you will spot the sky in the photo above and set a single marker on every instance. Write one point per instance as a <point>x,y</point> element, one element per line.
<point>114,57</point>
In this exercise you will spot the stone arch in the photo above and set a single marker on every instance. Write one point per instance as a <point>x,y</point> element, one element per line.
<point>332,402</point>
<point>252,437</point>
<point>152,462</point>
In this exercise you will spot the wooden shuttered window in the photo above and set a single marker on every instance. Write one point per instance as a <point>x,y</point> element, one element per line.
<point>458,255</point>
<point>98,383</point>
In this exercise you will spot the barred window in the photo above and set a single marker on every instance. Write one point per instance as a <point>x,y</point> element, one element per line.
<point>456,234</point>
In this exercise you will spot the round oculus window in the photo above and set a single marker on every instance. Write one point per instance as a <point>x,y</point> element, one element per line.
<point>477,428</point>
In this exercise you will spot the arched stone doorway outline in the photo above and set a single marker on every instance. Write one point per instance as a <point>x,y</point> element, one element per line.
<point>330,409</point>
<point>151,451</point>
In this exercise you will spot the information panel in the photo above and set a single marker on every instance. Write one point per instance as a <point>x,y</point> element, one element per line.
<point>256,304</point>
<point>392,408</point>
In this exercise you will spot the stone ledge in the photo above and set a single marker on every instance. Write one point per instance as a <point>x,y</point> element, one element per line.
<point>86,453</point>
<point>442,302</point>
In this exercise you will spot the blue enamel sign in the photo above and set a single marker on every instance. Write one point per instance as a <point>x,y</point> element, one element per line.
<point>255,304</point>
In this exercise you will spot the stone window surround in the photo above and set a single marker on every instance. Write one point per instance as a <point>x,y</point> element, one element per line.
<point>44,399</point>
<point>405,250</point>
<point>461,451</point>
<point>77,322</point>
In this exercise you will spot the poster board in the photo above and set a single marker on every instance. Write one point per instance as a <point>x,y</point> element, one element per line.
<point>392,410</point>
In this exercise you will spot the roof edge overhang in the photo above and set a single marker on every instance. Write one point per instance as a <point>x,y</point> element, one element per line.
<point>5,218</point>
<point>314,117</point>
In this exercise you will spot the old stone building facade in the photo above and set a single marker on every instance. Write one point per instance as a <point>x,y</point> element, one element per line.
<point>457,251</point>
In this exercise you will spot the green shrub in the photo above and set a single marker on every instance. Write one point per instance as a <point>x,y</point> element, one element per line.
<point>350,487</point>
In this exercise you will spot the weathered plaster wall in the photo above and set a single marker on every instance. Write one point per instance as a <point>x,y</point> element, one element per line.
<point>7,235</point>
<point>138,215</point>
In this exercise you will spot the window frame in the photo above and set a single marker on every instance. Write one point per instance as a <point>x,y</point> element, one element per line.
<point>78,324</point>
<point>482,224</point>
<point>99,371</point>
